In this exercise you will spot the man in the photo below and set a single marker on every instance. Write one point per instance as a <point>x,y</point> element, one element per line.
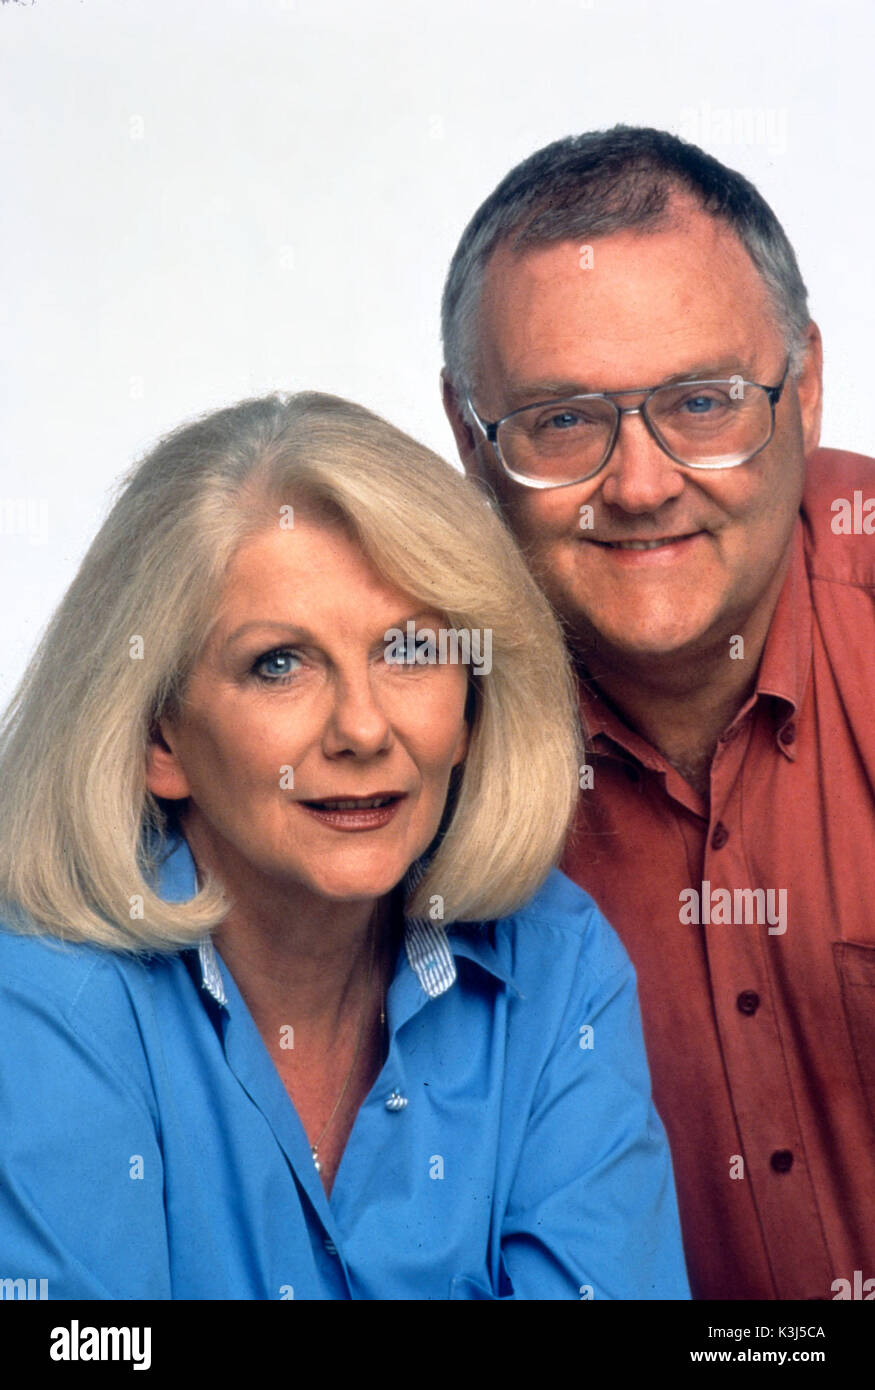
<point>714,571</point>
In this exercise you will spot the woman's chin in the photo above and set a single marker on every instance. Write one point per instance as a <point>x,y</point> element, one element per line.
<point>351,883</point>
<point>351,890</point>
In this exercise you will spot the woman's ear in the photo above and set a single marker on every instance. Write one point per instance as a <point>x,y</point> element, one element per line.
<point>164,772</point>
<point>464,744</point>
<point>461,751</point>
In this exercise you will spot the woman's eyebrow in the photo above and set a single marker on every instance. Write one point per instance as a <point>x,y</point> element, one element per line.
<point>301,633</point>
<point>274,624</point>
<point>414,617</point>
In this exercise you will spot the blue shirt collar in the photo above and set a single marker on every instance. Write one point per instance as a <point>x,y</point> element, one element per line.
<point>429,947</point>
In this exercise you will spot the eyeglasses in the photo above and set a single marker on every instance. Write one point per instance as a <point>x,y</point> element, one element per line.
<point>699,424</point>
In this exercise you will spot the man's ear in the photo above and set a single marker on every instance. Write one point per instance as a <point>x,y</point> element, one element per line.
<point>809,389</point>
<point>164,773</point>
<point>466,443</point>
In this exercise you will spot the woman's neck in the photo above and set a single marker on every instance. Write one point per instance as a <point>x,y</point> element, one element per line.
<point>291,950</point>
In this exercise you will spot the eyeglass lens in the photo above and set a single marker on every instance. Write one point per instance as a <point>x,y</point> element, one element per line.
<point>715,424</point>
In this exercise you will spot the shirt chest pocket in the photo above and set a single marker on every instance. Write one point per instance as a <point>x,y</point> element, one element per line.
<point>855,967</point>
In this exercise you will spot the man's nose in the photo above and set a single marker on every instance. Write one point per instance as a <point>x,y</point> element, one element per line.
<point>639,475</point>
<point>356,721</point>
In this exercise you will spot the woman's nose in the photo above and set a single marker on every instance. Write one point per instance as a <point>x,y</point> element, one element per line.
<point>357,722</point>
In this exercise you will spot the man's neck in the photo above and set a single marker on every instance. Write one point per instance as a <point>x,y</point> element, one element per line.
<point>682,701</point>
<point>679,703</point>
<point>681,713</point>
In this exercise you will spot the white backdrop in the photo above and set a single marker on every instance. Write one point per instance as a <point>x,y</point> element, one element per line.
<point>205,199</point>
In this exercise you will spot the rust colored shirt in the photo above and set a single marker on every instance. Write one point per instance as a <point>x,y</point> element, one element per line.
<point>760,1022</point>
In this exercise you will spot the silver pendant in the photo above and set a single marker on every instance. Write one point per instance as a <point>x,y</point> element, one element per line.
<point>316,1164</point>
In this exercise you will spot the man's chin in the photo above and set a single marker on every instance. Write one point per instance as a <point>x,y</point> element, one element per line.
<point>603,647</point>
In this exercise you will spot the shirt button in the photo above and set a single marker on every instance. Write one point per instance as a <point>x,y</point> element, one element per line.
<point>330,1246</point>
<point>788,733</point>
<point>748,1001</point>
<point>719,835</point>
<point>782,1160</point>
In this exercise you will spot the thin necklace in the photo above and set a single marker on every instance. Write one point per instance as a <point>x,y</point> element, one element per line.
<point>314,1147</point>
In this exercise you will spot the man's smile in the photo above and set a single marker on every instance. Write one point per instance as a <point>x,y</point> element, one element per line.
<point>654,550</point>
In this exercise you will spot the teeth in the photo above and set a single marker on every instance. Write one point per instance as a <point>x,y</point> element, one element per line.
<point>641,545</point>
<point>355,805</point>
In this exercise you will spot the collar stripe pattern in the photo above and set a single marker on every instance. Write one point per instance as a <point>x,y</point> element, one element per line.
<point>426,944</point>
<point>211,976</point>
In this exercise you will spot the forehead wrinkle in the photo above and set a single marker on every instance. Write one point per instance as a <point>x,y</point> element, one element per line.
<point>538,271</point>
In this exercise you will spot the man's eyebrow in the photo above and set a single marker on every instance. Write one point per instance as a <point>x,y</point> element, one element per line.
<point>531,392</point>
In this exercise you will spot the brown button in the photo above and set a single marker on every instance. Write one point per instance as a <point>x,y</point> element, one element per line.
<point>719,835</point>
<point>782,1160</point>
<point>788,733</point>
<point>748,1001</point>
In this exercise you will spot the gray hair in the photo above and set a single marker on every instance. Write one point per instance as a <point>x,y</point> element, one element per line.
<point>608,181</point>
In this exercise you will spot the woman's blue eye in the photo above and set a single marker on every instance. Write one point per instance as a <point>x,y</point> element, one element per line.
<point>414,654</point>
<point>274,666</point>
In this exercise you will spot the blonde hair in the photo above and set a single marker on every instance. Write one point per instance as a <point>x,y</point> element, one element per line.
<point>76,816</point>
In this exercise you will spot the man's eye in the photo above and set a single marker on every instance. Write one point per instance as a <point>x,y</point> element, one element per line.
<point>560,420</point>
<point>277,665</point>
<point>704,404</point>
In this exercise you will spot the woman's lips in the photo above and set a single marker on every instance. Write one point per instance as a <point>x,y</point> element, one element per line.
<point>355,812</point>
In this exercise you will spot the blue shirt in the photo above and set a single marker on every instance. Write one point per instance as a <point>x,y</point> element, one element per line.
<point>148,1148</point>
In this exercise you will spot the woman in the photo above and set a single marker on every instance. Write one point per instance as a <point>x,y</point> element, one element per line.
<point>293,1005</point>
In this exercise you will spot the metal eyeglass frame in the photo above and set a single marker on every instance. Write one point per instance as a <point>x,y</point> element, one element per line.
<point>491,428</point>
